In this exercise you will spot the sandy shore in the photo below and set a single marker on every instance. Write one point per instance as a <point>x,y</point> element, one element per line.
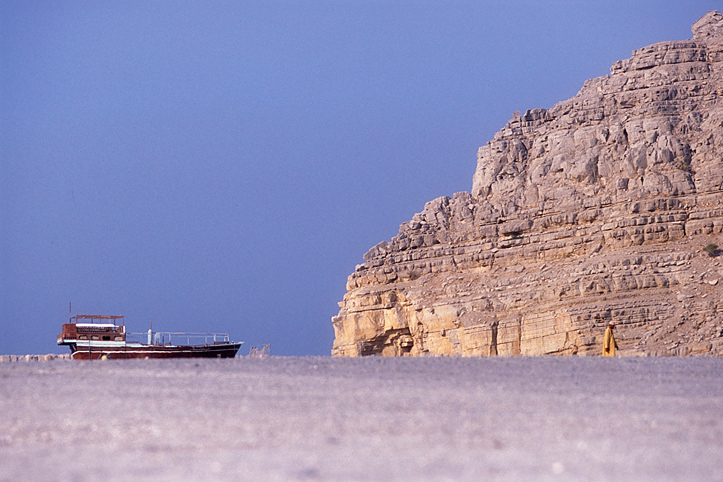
<point>26,358</point>
<point>309,419</point>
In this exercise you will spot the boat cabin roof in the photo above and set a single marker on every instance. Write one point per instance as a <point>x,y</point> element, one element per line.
<point>98,320</point>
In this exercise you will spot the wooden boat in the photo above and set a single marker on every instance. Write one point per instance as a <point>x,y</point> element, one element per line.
<point>92,337</point>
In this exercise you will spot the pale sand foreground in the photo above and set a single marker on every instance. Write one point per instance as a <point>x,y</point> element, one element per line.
<point>369,419</point>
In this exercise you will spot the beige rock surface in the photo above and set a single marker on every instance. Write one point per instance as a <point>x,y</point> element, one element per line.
<point>595,210</point>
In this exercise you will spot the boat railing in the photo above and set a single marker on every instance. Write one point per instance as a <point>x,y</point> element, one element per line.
<point>178,338</point>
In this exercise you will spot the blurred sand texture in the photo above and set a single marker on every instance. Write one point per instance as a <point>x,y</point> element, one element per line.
<point>364,419</point>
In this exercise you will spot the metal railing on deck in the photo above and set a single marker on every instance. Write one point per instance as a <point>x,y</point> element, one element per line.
<point>177,338</point>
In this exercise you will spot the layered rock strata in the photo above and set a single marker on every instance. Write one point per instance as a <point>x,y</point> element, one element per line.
<point>596,210</point>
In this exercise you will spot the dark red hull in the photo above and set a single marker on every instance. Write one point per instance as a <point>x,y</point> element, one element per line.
<point>225,350</point>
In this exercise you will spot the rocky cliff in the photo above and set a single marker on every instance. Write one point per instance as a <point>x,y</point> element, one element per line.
<point>596,210</point>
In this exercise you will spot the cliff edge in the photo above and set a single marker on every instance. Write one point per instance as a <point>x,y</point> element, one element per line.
<point>605,207</point>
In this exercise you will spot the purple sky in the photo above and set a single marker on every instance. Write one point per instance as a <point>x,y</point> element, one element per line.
<point>223,166</point>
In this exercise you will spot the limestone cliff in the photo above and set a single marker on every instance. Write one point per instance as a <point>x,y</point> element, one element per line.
<point>595,210</point>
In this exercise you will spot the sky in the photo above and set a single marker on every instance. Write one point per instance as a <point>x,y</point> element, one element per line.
<point>222,166</point>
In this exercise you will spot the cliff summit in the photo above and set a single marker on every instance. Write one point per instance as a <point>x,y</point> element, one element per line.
<point>606,207</point>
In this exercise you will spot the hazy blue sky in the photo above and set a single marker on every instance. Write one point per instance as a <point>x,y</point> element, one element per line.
<point>223,166</point>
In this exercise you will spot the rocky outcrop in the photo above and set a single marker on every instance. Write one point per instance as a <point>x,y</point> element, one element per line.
<point>595,210</point>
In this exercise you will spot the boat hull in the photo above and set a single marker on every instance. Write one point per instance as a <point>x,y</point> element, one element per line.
<point>127,351</point>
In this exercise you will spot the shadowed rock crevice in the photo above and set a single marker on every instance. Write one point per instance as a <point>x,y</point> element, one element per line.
<point>596,209</point>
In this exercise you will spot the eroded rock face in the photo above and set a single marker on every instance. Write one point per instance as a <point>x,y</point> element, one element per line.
<point>595,210</point>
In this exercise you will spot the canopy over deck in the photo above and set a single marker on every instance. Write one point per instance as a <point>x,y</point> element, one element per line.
<point>99,319</point>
